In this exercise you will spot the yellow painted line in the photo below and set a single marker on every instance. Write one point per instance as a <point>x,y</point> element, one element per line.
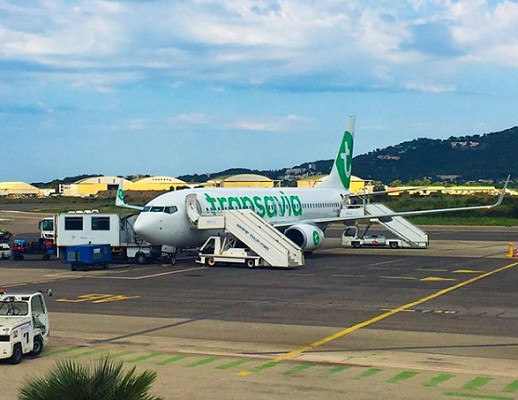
<point>338,335</point>
<point>436,279</point>
<point>468,271</point>
<point>407,278</point>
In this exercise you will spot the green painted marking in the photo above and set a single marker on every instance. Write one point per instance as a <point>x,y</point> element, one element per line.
<point>267,365</point>
<point>402,376</point>
<point>337,368</point>
<point>203,361</point>
<point>171,360</point>
<point>297,369</point>
<point>511,388</point>
<point>61,351</point>
<point>144,358</point>
<point>121,354</point>
<point>370,372</point>
<point>86,353</point>
<point>439,379</point>
<point>232,364</point>
<point>476,383</point>
<point>477,396</point>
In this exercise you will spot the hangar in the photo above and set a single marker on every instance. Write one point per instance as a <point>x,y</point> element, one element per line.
<point>17,188</point>
<point>92,186</point>
<point>243,180</point>
<point>358,185</point>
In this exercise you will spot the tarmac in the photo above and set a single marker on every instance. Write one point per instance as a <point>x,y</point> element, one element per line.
<point>435,323</point>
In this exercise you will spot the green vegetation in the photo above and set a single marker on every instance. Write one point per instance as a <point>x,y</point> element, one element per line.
<point>68,380</point>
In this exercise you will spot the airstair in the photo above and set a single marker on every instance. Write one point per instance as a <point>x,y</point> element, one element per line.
<point>401,227</point>
<point>262,238</point>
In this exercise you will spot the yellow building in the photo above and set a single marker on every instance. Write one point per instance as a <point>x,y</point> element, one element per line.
<point>18,189</point>
<point>92,186</point>
<point>358,185</point>
<point>156,183</point>
<point>243,180</point>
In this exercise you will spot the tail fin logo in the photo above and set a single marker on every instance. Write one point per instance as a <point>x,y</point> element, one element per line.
<point>344,159</point>
<point>120,194</point>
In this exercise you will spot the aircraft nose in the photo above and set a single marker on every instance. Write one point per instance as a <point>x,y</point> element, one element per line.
<point>147,228</point>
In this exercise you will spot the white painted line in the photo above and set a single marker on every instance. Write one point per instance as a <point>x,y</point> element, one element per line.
<point>136,278</point>
<point>387,262</point>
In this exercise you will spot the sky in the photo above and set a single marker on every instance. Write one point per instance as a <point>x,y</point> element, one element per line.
<point>170,88</point>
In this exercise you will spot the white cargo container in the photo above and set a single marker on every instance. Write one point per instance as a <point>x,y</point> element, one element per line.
<point>83,227</point>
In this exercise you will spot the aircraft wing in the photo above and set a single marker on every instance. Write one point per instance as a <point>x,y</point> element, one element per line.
<point>119,200</point>
<point>388,216</point>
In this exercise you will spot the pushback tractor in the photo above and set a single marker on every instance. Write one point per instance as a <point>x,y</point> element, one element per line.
<point>24,325</point>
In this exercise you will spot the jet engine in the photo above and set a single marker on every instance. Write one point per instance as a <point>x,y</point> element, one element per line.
<point>307,237</point>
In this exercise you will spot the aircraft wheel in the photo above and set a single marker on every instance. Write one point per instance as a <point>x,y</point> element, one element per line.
<point>210,261</point>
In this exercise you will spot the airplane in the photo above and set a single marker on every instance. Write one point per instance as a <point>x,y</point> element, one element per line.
<point>302,214</point>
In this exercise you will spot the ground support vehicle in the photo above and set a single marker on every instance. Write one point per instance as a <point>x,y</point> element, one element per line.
<point>223,250</point>
<point>88,255</point>
<point>5,236</point>
<point>5,251</point>
<point>87,227</point>
<point>21,248</point>
<point>24,325</point>
<point>351,238</point>
<point>370,240</point>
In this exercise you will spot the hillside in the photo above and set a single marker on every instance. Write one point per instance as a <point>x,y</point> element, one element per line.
<point>489,157</point>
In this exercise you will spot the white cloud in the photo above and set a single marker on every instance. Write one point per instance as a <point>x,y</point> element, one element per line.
<point>191,119</point>
<point>267,124</point>
<point>253,42</point>
<point>429,88</point>
<point>487,34</point>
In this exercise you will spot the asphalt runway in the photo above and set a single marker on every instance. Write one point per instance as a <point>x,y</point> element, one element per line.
<point>436,323</point>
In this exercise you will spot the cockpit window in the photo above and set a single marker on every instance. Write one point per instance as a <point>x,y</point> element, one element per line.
<point>167,210</point>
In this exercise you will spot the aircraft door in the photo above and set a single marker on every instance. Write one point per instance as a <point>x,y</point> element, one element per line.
<point>193,207</point>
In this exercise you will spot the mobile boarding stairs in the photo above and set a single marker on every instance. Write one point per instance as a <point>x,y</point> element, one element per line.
<point>410,235</point>
<point>246,226</point>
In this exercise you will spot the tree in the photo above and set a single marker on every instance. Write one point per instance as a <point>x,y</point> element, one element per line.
<point>68,380</point>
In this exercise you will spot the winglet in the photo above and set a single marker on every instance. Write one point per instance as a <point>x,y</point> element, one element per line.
<point>119,199</point>
<point>501,197</point>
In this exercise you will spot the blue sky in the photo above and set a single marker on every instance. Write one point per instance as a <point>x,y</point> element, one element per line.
<point>194,86</point>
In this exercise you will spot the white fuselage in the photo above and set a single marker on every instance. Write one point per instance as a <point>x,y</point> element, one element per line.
<point>164,220</point>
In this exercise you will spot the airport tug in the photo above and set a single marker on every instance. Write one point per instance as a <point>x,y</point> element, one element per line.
<point>24,325</point>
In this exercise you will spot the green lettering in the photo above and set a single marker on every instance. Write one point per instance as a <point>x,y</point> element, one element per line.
<point>247,201</point>
<point>259,208</point>
<point>222,201</point>
<point>296,205</point>
<point>271,210</point>
<point>211,200</point>
<point>282,205</point>
<point>233,200</point>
